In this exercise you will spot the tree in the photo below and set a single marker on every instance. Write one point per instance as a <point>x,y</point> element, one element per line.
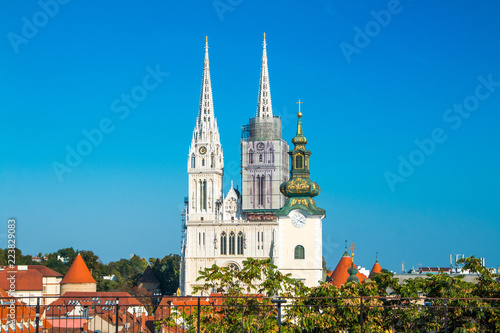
<point>234,313</point>
<point>166,271</point>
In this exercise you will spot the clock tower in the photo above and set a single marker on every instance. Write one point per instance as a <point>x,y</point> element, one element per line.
<point>204,202</point>
<point>205,161</point>
<point>300,220</point>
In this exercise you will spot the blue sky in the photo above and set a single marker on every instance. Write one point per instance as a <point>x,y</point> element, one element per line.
<point>374,76</point>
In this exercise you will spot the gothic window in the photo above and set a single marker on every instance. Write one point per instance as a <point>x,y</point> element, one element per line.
<point>299,162</point>
<point>223,243</point>
<point>260,158</point>
<point>212,161</point>
<point>260,240</point>
<point>193,161</point>
<point>203,239</point>
<point>203,194</point>
<point>240,243</point>
<point>261,181</point>
<point>299,252</point>
<point>231,243</point>
<point>250,157</point>
<point>202,162</point>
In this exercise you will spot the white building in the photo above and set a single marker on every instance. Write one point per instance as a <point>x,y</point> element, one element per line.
<point>273,217</point>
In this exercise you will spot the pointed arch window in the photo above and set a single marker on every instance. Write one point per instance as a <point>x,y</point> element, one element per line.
<point>299,252</point>
<point>299,162</point>
<point>203,194</point>
<point>223,243</point>
<point>231,243</point>
<point>202,162</point>
<point>250,156</point>
<point>212,161</point>
<point>260,158</point>
<point>261,182</point>
<point>193,161</point>
<point>240,243</point>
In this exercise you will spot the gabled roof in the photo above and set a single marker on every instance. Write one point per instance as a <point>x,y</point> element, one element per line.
<point>78,272</point>
<point>339,276</point>
<point>25,280</point>
<point>100,302</point>
<point>148,276</point>
<point>46,272</point>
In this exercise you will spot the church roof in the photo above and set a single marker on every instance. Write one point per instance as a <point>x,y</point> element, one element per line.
<point>148,276</point>
<point>340,273</point>
<point>375,269</point>
<point>78,272</point>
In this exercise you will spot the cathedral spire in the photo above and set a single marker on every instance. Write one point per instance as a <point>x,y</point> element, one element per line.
<point>264,107</point>
<point>206,112</point>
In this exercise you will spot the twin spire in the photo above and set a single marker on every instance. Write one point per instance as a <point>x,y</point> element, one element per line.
<point>264,107</point>
<point>206,112</point>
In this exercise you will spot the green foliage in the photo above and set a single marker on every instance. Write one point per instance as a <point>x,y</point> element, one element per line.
<point>167,272</point>
<point>415,305</point>
<point>127,272</point>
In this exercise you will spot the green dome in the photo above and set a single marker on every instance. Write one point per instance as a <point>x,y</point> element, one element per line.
<point>300,189</point>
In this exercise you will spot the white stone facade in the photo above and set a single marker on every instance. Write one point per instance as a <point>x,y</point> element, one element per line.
<point>227,230</point>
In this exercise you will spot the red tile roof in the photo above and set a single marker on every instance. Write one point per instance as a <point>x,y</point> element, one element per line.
<point>78,272</point>
<point>24,280</point>
<point>23,314</point>
<point>100,302</point>
<point>46,272</point>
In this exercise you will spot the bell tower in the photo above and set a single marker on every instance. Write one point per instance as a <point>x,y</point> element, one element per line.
<point>263,153</point>
<point>205,161</point>
<point>300,220</point>
<point>203,205</point>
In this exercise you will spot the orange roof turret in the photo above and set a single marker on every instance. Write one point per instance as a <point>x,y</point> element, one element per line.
<point>340,275</point>
<point>376,269</point>
<point>78,272</point>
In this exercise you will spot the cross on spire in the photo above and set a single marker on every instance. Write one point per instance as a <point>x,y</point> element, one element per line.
<point>352,247</point>
<point>300,113</point>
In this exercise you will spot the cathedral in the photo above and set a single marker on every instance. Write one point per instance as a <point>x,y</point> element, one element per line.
<point>274,216</point>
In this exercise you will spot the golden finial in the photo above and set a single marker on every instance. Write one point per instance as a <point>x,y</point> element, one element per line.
<point>352,247</point>
<point>299,114</point>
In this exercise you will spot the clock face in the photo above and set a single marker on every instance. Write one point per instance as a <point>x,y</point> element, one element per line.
<point>260,146</point>
<point>203,150</point>
<point>299,220</point>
